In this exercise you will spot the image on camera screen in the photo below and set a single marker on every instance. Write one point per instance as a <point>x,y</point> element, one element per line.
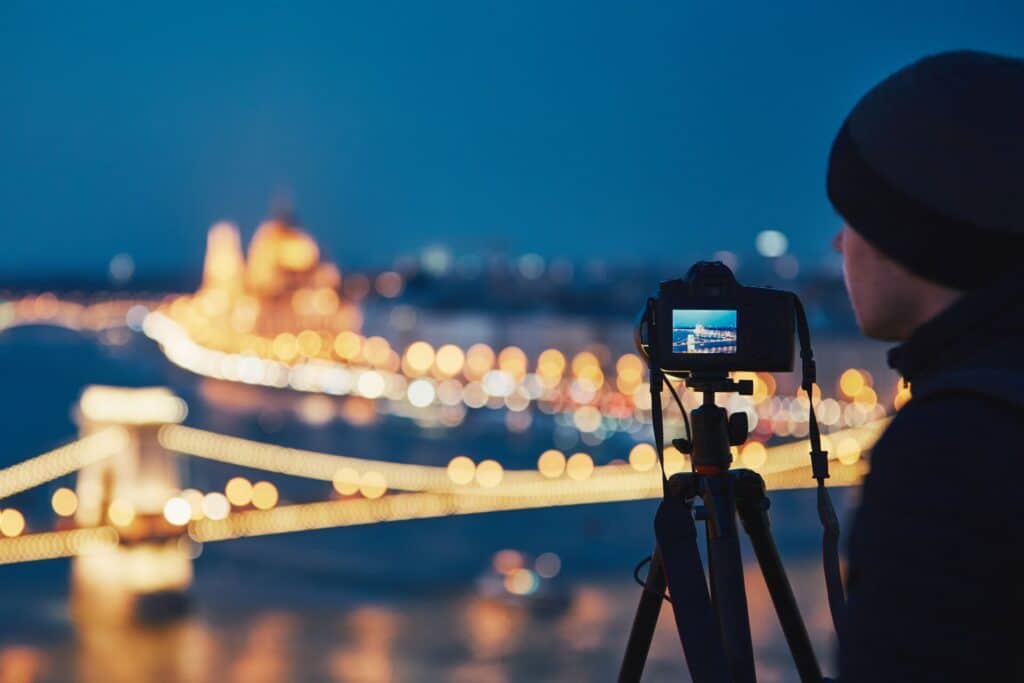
<point>703,331</point>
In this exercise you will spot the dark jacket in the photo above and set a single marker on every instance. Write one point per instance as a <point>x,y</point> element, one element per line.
<point>935,551</point>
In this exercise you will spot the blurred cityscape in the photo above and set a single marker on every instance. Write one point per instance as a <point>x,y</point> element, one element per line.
<point>276,392</point>
<point>396,427</point>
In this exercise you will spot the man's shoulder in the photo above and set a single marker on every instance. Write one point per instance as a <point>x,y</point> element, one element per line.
<point>936,453</point>
<point>954,429</point>
<point>977,406</point>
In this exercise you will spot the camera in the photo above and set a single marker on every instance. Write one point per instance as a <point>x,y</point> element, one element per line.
<point>709,323</point>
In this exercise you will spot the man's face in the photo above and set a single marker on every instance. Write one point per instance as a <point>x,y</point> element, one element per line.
<point>884,295</point>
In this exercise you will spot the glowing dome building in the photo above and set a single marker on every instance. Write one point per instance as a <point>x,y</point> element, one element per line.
<point>283,259</point>
<point>278,291</point>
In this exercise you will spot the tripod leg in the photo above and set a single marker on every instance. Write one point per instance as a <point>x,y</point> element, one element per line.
<point>751,503</point>
<point>695,618</point>
<point>727,578</point>
<point>644,622</point>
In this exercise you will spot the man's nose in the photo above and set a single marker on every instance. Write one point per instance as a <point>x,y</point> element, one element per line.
<point>837,242</point>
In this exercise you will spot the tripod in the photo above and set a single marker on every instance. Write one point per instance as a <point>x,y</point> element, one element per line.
<point>714,628</point>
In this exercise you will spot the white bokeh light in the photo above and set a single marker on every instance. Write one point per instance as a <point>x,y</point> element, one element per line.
<point>771,243</point>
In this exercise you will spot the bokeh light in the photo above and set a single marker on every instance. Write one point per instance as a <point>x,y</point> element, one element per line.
<point>264,495</point>
<point>551,463</point>
<point>521,582</point>
<point>419,357</point>
<point>771,243</point>
<point>216,506</point>
<point>177,511</point>
<point>64,502</point>
<point>548,565</point>
<point>194,498</point>
<point>239,491</point>
<point>507,561</point>
<point>120,512</point>
<point>643,457</point>
<point>461,470</point>
<point>674,461</point>
<point>848,450</point>
<point>449,360</point>
<point>851,382</point>
<point>580,466</point>
<point>12,523</point>
<point>479,361</point>
<point>754,454</point>
<point>346,481</point>
<point>489,473</point>
<point>372,485</point>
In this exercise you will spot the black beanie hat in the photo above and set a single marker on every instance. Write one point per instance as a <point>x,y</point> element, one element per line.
<point>929,168</point>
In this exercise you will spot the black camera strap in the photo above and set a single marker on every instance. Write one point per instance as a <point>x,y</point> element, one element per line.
<point>819,470</point>
<point>657,378</point>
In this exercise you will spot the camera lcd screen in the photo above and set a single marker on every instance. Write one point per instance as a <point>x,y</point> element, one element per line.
<point>703,331</point>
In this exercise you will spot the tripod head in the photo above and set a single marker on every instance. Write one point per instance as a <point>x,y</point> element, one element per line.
<point>714,430</point>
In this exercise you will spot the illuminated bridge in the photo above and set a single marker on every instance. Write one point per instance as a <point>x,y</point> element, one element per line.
<point>132,526</point>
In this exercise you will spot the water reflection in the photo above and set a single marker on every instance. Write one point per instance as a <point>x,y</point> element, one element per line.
<point>21,664</point>
<point>369,657</point>
<point>585,627</point>
<point>492,628</point>
<point>186,652</point>
<point>444,637</point>
<point>265,655</point>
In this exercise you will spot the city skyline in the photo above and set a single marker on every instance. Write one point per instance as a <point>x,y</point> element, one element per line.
<point>709,318</point>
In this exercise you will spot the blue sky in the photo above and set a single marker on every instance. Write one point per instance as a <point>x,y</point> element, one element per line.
<point>632,131</point>
<point>708,318</point>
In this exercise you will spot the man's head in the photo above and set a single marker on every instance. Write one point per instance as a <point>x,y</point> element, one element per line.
<point>927,172</point>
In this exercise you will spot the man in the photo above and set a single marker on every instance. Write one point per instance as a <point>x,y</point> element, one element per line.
<point>928,174</point>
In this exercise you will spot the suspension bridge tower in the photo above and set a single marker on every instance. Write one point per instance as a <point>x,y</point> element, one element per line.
<point>146,575</point>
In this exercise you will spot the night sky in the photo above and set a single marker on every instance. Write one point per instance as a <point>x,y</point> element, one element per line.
<point>626,131</point>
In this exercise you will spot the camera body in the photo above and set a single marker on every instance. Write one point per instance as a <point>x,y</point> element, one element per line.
<point>708,323</point>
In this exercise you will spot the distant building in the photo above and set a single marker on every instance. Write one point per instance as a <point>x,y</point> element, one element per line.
<point>283,258</point>
<point>279,287</point>
<point>224,265</point>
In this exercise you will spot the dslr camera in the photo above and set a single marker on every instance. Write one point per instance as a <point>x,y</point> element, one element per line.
<point>708,323</point>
